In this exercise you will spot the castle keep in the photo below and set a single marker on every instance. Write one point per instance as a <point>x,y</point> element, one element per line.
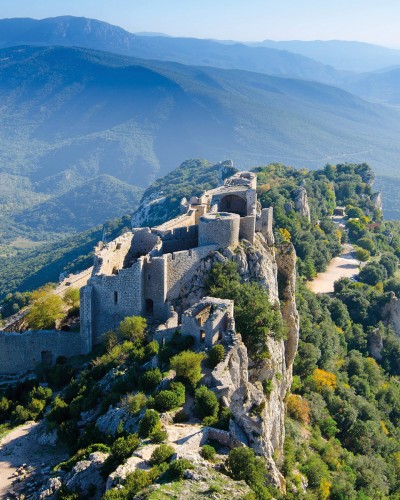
<point>143,271</point>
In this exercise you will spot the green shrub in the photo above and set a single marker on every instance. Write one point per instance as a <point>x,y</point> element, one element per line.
<point>158,436</point>
<point>178,467</point>
<point>20,415</point>
<point>210,421</point>
<point>149,423</point>
<point>150,379</point>
<point>123,447</point>
<point>216,355</point>
<point>206,402</point>
<point>187,366</point>
<point>244,465</point>
<point>224,418</point>
<point>161,454</point>
<point>166,400</point>
<point>169,399</point>
<point>135,482</point>
<point>133,328</point>
<point>152,349</point>
<point>208,452</point>
<point>268,385</point>
<point>179,389</point>
<point>133,403</point>
<point>59,411</point>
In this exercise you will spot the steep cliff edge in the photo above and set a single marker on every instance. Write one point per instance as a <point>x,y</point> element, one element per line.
<point>255,391</point>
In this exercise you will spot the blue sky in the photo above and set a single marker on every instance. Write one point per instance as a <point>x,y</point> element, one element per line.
<point>375,21</point>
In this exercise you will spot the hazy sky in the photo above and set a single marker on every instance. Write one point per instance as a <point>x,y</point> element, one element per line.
<point>375,21</point>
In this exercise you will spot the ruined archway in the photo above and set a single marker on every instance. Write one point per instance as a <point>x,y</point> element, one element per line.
<point>233,204</point>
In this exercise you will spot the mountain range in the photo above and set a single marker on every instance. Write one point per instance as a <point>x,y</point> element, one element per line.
<point>91,112</point>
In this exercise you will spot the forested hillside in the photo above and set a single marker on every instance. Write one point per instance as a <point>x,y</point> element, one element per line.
<point>343,410</point>
<point>71,116</point>
<point>71,31</point>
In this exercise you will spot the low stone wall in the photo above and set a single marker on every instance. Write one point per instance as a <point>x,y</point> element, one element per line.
<point>74,281</point>
<point>21,352</point>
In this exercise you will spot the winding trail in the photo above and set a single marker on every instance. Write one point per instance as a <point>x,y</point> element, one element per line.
<point>343,266</point>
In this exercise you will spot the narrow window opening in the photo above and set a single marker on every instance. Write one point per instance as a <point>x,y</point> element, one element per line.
<point>149,306</point>
<point>115,298</point>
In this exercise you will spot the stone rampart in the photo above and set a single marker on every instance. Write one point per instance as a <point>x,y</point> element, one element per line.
<point>247,229</point>
<point>221,229</point>
<point>184,220</point>
<point>113,255</point>
<point>144,241</point>
<point>182,266</point>
<point>115,297</point>
<point>20,352</point>
<point>180,238</point>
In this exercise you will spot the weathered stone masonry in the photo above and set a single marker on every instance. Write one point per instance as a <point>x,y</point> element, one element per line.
<point>143,271</point>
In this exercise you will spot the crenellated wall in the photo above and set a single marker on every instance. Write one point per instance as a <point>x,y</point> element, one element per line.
<point>113,255</point>
<point>181,267</point>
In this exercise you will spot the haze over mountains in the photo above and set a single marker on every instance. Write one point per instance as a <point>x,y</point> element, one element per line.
<point>343,55</point>
<point>97,120</point>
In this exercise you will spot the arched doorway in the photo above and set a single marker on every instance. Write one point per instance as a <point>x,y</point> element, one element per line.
<point>233,204</point>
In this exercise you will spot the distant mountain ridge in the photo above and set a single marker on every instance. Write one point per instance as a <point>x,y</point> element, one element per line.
<point>72,31</point>
<point>342,55</point>
<point>92,113</point>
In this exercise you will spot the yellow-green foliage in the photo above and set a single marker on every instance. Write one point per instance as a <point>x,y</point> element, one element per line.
<point>45,310</point>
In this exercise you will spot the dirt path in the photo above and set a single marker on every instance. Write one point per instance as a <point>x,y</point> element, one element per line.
<point>340,267</point>
<point>20,448</point>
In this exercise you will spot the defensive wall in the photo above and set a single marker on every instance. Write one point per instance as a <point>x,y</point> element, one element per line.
<point>144,271</point>
<point>23,351</point>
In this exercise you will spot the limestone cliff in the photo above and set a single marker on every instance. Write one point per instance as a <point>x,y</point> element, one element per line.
<point>258,416</point>
<point>391,313</point>
<point>301,202</point>
<point>376,199</point>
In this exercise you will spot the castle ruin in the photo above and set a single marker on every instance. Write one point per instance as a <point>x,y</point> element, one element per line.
<point>142,273</point>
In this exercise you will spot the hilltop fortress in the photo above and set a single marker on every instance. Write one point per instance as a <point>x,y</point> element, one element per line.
<point>143,271</point>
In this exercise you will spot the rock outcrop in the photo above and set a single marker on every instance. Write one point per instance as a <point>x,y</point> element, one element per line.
<point>86,479</point>
<point>376,199</point>
<point>258,418</point>
<point>375,344</point>
<point>391,313</point>
<point>301,202</point>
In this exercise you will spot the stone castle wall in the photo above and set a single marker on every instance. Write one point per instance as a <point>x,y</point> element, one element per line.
<point>180,238</point>
<point>221,229</point>
<point>112,256</point>
<point>23,351</point>
<point>113,298</point>
<point>182,266</point>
